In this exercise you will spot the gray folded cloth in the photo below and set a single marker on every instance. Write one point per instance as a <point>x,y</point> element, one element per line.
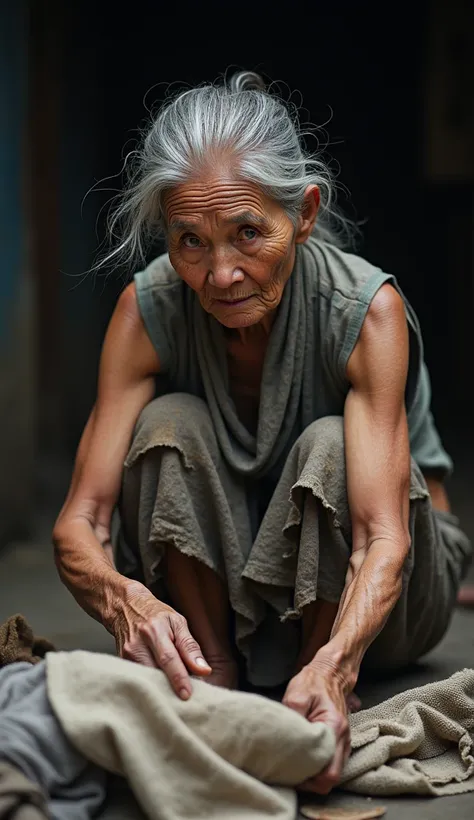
<point>418,742</point>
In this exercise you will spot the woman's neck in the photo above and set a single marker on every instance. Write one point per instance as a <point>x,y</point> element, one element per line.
<point>254,334</point>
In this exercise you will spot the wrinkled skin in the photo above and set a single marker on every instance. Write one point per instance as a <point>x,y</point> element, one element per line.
<point>317,693</point>
<point>153,634</point>
<point>230,242</point>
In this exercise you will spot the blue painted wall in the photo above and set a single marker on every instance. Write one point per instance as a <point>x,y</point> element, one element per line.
<point>17,410</point>
<point>13,60</point>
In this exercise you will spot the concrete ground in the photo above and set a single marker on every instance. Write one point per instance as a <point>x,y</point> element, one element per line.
<point>29,585</point>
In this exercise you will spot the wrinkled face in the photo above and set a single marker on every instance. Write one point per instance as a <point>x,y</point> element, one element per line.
<point>231,244</point>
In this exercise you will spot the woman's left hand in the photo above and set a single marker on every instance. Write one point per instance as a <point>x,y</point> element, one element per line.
<point>317,693</point>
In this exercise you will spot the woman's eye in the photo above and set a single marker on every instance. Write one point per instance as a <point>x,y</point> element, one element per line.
<point>248,234</point>
<point>191,242</point>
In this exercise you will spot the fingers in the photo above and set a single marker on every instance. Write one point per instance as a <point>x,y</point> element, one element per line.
<point>334,770</point>
<point>138,653</point>
<point>153,646</point>
<point>168,659</point>
<point>298,701</point>
<point>326,780</point>
<point>164,642</point>
<point>353,703</point>
<point>174,649</point>
<point>189,649</point>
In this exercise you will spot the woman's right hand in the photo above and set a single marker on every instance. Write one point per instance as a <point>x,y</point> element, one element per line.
<point>153,634</point>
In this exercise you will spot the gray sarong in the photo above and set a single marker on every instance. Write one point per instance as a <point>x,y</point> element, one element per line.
<point>179,490</point>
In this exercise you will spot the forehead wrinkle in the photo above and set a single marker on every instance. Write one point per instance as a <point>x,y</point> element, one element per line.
<point>210,201</point>
<point>242,218</point>
<point>211,196</point>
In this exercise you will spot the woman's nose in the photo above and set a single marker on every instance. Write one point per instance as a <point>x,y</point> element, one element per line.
<point>224,273</point>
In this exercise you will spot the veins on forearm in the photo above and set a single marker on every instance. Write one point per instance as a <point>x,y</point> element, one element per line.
<point>372,590</point>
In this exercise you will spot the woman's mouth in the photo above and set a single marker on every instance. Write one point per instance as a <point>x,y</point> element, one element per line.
<point>233,302</point>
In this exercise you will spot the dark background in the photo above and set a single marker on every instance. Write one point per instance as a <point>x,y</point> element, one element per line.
<point>395,89</point>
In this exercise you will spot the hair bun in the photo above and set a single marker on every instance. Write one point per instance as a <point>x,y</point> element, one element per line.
<point>246,81</point>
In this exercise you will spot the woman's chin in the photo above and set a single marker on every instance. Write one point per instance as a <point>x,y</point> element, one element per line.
<point>239,320</point>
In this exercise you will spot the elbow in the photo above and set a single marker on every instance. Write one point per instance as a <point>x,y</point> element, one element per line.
<point>388,544</point>
<point>395,549</point>
<point>392,532</point>
<point>402,543</point>
<point>392,554</point>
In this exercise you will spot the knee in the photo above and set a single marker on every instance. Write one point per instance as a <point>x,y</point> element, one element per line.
<point>318,459</point>
<point>174,413</point>
<point>177,420</point>
<point>327,434</point>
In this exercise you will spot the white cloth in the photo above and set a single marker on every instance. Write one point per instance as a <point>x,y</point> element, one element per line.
<point>220,756</point>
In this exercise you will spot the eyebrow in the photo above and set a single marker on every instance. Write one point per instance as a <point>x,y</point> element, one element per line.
<point>182,225</point>
<point>244,218</point>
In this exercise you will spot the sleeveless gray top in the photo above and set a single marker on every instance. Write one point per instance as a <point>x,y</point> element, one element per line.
<point>317,326</point>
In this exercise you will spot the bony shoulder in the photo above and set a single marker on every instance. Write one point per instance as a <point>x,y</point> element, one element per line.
<point>127,303</point>
<point>386,305</point>
<point>385,325</point>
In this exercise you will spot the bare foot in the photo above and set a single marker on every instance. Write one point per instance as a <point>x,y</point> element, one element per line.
<point>353,703</point>
<point>466,596</point>
<point>224,673</point>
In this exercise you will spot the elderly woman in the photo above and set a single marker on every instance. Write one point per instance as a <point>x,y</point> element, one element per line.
<point>263,424</point>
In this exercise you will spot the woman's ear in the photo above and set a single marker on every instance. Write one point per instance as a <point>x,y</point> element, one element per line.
<point>309,213</point>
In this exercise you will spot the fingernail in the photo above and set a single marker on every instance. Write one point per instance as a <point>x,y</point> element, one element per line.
<point>202,663</point>
<point>184,694</point>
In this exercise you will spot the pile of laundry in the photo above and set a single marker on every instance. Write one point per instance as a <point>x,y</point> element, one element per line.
<point>68,719</point>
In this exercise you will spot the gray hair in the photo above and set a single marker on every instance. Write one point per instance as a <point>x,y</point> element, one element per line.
<point>242,121</point>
